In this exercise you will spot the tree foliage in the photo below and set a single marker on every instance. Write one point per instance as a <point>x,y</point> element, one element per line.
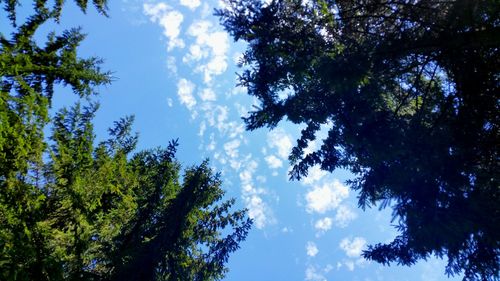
<point>409,92</point>
<point>71,209</point>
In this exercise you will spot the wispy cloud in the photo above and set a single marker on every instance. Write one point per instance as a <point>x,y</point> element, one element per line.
<point>344,216</point>
<point>323,224</point>
<point>258,210</point>
<point>273,162</point>
<point>211,44</point>
<point>208,94</point>
<point>198,52</point>
<point>311,249</point>
<point>171,65</point>
<point>353,247</point>
<point>185,90</point>
<point>281,141</point>
<point>169,19</point>
<point>231,148</point>
<point>315,273</point>
<point>191,4</point>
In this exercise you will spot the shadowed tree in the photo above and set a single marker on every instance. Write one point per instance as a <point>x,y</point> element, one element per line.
<point>409,93</point>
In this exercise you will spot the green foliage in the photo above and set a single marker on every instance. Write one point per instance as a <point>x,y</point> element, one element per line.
<point>409,93</point>
<point>74,210</point>
<point>114,217</point>
<point>40,7</point>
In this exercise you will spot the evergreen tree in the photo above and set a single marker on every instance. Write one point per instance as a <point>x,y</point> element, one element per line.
<point>409,92</point>
<point>74,210</point>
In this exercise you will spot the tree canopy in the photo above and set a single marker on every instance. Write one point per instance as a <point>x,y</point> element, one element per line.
<point>74,209</point>
<point>409,92</point>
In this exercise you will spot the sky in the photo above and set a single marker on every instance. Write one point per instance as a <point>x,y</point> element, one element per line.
<point>175,69</point>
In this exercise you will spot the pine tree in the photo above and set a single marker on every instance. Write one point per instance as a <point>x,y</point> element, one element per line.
<point>71,209</point>
<point>409,94</point>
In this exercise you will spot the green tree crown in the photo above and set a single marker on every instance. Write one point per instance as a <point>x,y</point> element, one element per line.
<point>71,209</point>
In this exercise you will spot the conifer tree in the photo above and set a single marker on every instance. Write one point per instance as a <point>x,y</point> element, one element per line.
<point>409,94</point>
<point>72,209</point>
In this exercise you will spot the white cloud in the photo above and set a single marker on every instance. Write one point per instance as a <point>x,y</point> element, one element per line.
<point>267,2</point>
<point>258,210</point>
<point>196,53</point>
<point>207,95</point>
<point>206,55</point>
<point>273,162</point>
<point>231,148</point>
<point>314,274</point>
<point>223,4</point>
<point>353,248</point>
<point>323,224</point>
<point>185,90</point>
<point>242,111</point>
<point>206,10</point>
<point>218,41</point>
<point>170,102</point>
<point>203,127</point>
<point>191,4</point>
<point>344,216</point>
<point>215,43</point>
<point>171,65</point>
<point>311,147</point>
<point>314,175</point>
<point>216,66</point>
<point>235,129</point>
<point>284,94</point>
<point>170,20</point>
<point>239,90</point>
<point>216,116</point>
<point>212,144</point>
<point>326,197</point>
<point>350,265</point>
<point>280,140</point>
<point>311,249</point>
<point>235,164</point>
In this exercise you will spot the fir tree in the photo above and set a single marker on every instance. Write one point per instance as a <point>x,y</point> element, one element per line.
<point>71,209</point>
<point>409,94</point>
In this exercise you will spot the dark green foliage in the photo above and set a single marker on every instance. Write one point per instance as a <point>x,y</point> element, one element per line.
<point>54,11</point>
<point>28,74</point>
<point>114,217</point>
<point>409,91</point>
<point>74,210</point>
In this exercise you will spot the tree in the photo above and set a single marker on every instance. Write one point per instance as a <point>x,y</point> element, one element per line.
<point>115,217</point>
<point>71,209</point>
<point>409,92</point>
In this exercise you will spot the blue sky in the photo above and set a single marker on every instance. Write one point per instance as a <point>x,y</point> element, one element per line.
<point>175,70</point>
